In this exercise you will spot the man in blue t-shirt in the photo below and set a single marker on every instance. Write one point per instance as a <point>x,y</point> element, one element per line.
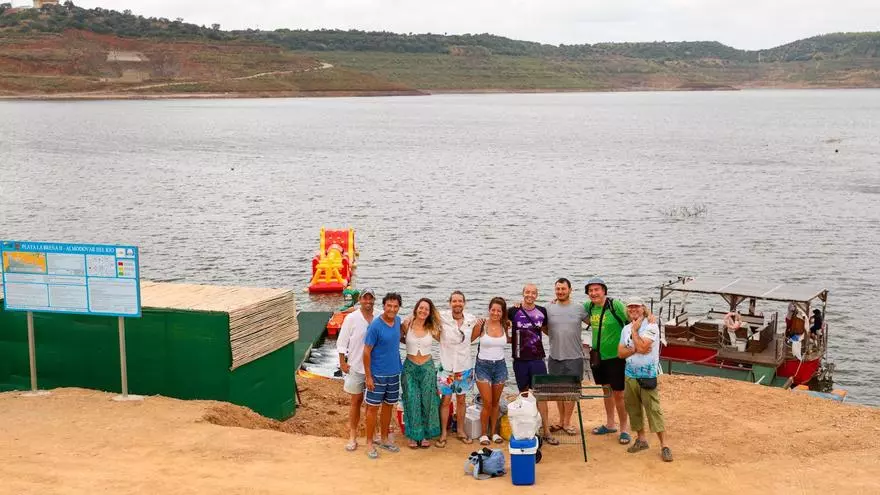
<point>382,372</point>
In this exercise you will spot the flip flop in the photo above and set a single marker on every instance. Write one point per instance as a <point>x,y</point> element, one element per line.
<point>497,438</point>
<point>372,453</point>
<point>550,440</point>
<point>465,440</point>
<point>351,446</point>
<point>637,446</point>
<point>413,445</point>
<point>440,444</point>
<point>603,430</point>
<point>571,430</point>
<point>484,440</point>
<point>390,447</point>
<point>554,428</point>
<point>425,444</point>
<point>624,438</point>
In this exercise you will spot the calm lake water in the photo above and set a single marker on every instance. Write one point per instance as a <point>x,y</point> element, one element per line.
<point>478,192</point>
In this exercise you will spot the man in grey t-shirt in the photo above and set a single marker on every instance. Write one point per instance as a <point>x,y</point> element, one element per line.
<point>564,320</point>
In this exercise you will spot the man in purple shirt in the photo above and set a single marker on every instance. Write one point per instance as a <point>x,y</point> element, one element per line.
<point>527,322</point>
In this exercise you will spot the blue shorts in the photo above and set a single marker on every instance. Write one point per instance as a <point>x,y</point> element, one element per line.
<point>385,389</point>
<point>494,372</point>
<point>525,370</point>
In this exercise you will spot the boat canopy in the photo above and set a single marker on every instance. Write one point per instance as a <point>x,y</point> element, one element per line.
<point>738,289</point>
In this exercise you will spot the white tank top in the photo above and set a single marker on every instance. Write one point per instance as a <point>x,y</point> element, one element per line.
<point>418,345</point>
<point>492,348</point>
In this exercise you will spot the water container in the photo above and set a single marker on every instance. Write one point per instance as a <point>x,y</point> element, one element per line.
<point>522,460</point>
<point>472,426</point>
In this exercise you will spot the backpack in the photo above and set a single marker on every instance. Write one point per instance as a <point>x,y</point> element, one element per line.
<point>485,463</point>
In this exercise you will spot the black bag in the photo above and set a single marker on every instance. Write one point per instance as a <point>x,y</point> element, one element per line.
<point>595,356</point>
<point>647,383</point>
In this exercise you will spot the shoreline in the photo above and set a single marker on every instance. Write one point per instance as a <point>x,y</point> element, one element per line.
<point>110,96</point>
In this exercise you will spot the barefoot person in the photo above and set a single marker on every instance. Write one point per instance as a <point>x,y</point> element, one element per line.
<point>607,319</point>
<point>528,322</point>
<point>564,320</point>
<point>350,346</point>
<point>382,372</point>
<point>456,374</point>
<point>420,399</point>
<point>640,346</point>
<point>491,368</point>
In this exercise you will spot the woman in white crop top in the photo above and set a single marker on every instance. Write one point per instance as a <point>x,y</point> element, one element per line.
<point>420,400</point>
<point>491,368</point>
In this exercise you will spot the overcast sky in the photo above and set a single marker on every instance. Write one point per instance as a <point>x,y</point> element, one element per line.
<point>746,24</point>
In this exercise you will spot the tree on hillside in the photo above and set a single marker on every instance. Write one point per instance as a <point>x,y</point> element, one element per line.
<point>4,7</point>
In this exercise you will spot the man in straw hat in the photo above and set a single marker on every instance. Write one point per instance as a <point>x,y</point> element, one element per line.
<point>640,346</point>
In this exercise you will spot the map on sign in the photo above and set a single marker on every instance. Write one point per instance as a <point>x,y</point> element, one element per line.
<point>70,278</point>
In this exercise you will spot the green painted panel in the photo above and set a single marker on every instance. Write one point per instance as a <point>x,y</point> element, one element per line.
<point>181,354</point>
<point>312,325</point>
<point>267,384</point>
<point>198,349</point>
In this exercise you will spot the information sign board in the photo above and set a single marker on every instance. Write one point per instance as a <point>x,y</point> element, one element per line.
<point>71,278</point>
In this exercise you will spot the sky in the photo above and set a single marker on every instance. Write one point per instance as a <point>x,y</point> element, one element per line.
<point>744,24</point>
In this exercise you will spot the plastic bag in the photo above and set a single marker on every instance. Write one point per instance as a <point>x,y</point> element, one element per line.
<point>524,416</point>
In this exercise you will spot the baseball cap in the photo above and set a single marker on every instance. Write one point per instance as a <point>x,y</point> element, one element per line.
<point>635,301</point>
<point>364,292</point>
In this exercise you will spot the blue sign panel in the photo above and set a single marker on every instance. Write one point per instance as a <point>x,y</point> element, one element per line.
<point>70,278</point>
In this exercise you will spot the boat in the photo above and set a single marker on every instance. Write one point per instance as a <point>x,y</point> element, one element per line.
<point>763,350</point>
<point>333,266</point>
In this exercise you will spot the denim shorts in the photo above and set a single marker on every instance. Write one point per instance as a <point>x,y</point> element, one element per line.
<point>494,372</point>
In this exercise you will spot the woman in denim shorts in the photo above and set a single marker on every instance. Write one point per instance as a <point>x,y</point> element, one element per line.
<point>491,369</point>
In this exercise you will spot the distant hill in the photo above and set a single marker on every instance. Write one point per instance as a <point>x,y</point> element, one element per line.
<point>39,45</point>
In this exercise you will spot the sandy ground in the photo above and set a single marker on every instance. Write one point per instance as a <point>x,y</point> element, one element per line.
<point>728,437</point>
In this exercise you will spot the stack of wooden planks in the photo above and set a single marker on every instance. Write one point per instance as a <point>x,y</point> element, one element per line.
<point>261,321</point>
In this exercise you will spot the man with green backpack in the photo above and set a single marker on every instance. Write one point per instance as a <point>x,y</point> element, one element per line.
<point>607,319</point>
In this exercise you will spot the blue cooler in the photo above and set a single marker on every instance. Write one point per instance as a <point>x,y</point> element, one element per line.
<point>522,460</point>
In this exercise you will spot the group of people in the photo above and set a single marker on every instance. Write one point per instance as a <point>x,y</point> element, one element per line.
<point>624,357</point>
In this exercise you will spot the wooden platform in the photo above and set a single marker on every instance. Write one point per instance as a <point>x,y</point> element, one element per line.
<point>765,358</point>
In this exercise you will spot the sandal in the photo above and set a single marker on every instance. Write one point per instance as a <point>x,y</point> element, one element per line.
<point>570,430</point>
<point>603,430</point>
<point>550,440</point>
<point>554,428</point>
<point>351,446</point>
<point>666,454</point>
<point>390,447</point>
<point>425,444</point>
<point>372,453</point>
<point>624,438</point>
<point>637,446</point>
<point>465,440</point>
<point>413,445</point>
<point>484,440</point>
<point>440,444</point>
<point>497,438</point>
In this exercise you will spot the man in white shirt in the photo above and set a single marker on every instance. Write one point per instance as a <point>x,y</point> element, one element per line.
<point>456,373</point>
<point>350,346</point>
